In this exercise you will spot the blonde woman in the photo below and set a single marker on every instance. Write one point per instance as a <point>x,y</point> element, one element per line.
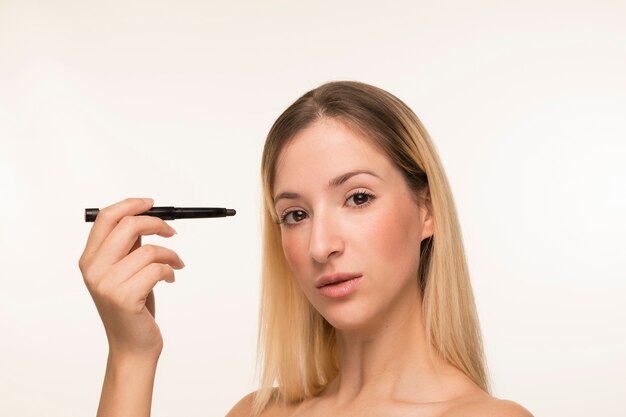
<point>366,303</point>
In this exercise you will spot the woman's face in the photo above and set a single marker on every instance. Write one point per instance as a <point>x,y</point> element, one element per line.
<point>339,219</point>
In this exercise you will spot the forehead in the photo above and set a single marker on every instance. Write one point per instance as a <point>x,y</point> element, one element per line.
<point>325,149</point>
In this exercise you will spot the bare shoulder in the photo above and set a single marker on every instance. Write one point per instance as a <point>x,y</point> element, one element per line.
<point>488,407</point>
<point>244,407</point>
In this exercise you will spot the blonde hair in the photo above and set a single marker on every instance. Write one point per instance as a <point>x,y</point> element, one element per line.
<point>296,345</point>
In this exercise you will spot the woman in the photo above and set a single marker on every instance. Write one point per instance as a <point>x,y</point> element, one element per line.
<point>366,305</point>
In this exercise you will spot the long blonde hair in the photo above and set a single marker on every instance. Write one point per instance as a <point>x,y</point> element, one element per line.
<point>296,345</point>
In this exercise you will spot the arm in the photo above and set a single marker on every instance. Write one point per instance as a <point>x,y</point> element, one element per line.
<point>127,388</point>
<point>120,275</point>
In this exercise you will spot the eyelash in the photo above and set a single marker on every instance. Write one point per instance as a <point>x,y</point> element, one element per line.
<point>370,196</point>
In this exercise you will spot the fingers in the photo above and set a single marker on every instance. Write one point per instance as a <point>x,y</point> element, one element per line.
<point>124,236</point>
<point>138,290</point>
<point>120,273</point>
<point>109,217</point>
<point>139,259</point>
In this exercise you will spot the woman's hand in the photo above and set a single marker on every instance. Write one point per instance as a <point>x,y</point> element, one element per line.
<point>120,275</point>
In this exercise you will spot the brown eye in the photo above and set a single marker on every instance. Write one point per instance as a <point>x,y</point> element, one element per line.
<point>297,215</point>
<point>361,198</point>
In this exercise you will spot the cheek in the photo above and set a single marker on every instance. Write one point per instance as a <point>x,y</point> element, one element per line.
<point>392,241</point>
<point>294,248</point>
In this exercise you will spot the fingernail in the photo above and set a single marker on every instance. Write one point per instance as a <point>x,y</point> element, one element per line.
<point>173,230</point>
<point>149,200</point>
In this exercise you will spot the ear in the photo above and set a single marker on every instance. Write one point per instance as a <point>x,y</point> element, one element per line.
<point>426,212</point>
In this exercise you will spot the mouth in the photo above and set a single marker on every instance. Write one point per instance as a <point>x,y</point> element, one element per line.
<point>340,288</point>
<point>335,279</point>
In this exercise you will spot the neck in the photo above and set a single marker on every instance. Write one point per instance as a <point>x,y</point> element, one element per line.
<point>390,360</point>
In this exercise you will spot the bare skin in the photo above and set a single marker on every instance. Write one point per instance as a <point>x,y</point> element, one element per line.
<point>387,368</point>
<point>120,275</point>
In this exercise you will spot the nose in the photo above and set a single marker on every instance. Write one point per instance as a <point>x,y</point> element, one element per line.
<point>325,239</point>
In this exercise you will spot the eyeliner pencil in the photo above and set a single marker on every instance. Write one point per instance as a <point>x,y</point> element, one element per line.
<point>171,213</point>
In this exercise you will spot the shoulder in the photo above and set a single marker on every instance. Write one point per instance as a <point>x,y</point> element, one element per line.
<point>488,407</point>
<point>243,408</point>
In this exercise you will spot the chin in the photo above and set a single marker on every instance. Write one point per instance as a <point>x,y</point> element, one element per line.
<point>346,317</point>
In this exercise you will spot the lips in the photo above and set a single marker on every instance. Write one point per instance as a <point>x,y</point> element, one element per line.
<point>335,278</point>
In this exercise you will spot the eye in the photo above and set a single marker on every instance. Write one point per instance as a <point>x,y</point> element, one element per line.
<point>296,214</point>
<point>361,199</point>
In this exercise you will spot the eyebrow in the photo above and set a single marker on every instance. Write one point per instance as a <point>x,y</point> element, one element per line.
<point>335,182</point>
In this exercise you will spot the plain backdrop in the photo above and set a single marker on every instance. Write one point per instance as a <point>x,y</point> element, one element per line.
<point>99,101</point>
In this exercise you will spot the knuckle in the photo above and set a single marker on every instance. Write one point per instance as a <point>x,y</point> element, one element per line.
<point>103,289</point>
<point>150,250</point>
<point>167,270</point>
<point>167,273</point>
<point>106,213</point>
<point>128,222</point>
<point>154,269</point>
<point>89,276</point>
<point>159,270</point>
<point>82,263</point>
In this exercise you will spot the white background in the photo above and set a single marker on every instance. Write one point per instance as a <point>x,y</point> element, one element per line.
<point>99,101</point>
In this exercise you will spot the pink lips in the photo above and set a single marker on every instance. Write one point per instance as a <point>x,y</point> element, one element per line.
<point>338,285</point>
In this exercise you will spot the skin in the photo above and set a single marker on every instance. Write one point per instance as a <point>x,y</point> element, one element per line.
<point>120,274</point>
<point>384,370</point>
<point>384,362</point>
